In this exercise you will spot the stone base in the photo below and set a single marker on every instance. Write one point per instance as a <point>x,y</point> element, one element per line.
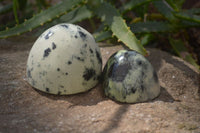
<point>23,109</point>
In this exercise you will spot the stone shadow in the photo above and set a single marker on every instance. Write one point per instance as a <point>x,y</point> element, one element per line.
<point>117,116</point>
<point>96,95</point>
<point>157,56</point>
<point>164,96</point>
<point>88,98</point>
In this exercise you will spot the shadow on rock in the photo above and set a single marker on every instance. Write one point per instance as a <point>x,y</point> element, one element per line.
<point>164,96</point>
<point>157,57</point>
<point>116,119</point>
<point>96,95</point>
<point>175,73</point>
<point>88,98</point>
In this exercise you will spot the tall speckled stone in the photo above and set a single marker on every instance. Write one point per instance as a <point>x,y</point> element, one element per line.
<point>129,77</point>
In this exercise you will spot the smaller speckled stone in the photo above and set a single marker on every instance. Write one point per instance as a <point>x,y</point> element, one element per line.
<point>129,77</point>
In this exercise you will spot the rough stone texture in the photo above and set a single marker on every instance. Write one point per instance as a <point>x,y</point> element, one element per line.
<point>23,109</point>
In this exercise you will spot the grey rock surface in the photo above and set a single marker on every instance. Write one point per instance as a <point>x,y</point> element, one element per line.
<point>24,109</point>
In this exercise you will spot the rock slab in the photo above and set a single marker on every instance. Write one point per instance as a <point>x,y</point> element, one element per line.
<point>24,109</point>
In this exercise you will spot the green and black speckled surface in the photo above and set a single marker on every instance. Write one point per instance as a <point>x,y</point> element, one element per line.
<point>129,77</point>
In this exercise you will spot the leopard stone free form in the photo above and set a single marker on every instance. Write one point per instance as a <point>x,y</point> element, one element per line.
<point>129,77</point>
<point>65,59</point>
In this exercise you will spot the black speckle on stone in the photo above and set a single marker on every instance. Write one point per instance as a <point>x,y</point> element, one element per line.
<point>119,72</point>
<point>142,75</point>
<point>80,59</point>
<point>133,90</point>
<point>144,65</point>
<point>107,87</point>
<point>89,73</point>
<point>124,97</point>
<point>58,69</point>
<point>132,53</point>
<point>139,62</point>
<point>91,51</point>
<point>65,26</point>
<point>85,45</point>
<point>112,97</point>
<point>50,33</point>
<point>92,61</point>
<point>46,52</point>
<point>61,86</point>
<point>47,89</point>
<point>82,35</point>
<point>155,76</point>
<point>142,87</point>
<point>108,93</point>
<point>33,82</point>
<point>53,45</point>
<point>69,62</point>
<point>29,73</point>
<point>126,54</point>
<point>66,73</point>
<point>110,69</point>
<point>43,73</point>
<point>78,28</point>
<point>76,36</point>
<point>98,57</point>
<point>59,93</point>
<point>105,72</point>
<point>99,77</point>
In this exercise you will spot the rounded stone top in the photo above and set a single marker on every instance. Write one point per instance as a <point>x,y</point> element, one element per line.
<point>129,77</point>
<point>65,59</point>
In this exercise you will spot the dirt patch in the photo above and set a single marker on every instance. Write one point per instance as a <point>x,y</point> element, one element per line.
<point>24,109</point>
